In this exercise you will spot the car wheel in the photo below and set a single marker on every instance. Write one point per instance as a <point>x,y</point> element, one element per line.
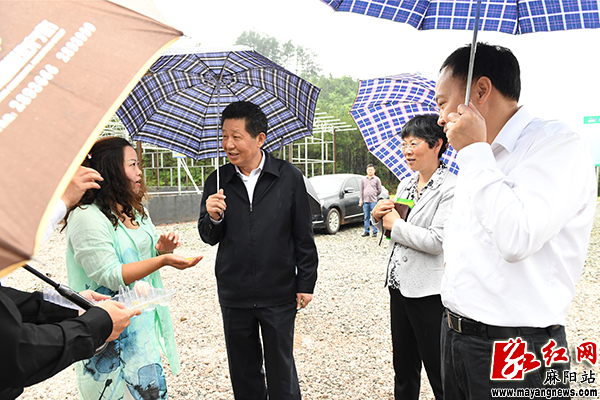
<point>333,221</point>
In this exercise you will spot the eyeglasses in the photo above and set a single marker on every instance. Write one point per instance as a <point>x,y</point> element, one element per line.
<point>413,146</point>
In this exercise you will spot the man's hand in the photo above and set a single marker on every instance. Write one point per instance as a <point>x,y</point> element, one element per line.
<point>302,300</point>
<point>465,127</point>
<point>167,243</point>
<point>119,315</point>
<point>382,208</point>
<point>215,205</point>
<point>83,180</point>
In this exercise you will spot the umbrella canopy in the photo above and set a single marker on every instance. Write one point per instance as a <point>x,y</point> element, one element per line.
<point>509,16</point>
<point>177,105</point>
<point>381,109</point>
<point>65,66</point>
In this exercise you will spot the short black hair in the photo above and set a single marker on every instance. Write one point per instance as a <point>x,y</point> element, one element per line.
<point>426,127</point>
<point>370,165</point>
<point>256,120</point>
<point>497,63</point>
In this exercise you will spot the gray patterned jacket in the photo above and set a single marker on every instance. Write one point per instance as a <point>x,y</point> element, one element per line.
<point>416,258</point>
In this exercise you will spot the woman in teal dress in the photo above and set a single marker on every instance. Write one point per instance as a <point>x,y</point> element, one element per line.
<point>111,242</point>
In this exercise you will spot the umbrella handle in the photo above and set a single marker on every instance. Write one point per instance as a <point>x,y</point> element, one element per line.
<point>64,290</point>
<point>473,50</point>
<point>68,294</point>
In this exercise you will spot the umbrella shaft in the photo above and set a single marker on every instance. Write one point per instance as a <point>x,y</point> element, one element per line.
<point>41,276</point>
<point>473,50</point>
<point>64,291</point>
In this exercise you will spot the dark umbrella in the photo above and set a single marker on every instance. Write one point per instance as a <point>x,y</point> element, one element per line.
<point>177,105</point>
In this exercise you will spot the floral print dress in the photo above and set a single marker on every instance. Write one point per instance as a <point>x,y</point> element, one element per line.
<point>95,254</point>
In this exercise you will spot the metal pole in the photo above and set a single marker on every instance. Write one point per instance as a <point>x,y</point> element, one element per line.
<point>280,149</point>
<point>334,156</point>
<point>473,50</point>
<point>179,175</point>
<point>305,155</point>
<point>322,153</point>
<point>157,171</point>
<point>139,154</point>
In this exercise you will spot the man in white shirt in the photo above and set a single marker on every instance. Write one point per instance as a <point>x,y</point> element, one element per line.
<point>517,235</point>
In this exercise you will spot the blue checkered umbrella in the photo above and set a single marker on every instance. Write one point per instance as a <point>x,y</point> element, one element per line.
<point>177,105</point>
<point>508,16</point>
<point>381,109</point>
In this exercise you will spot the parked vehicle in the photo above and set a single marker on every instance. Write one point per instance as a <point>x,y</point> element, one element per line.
<point>338,195</point>
<point>313,199</point>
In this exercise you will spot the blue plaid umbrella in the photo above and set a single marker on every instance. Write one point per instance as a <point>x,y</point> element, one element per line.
<point>177,105</point>
<point>381,109</point>
<point>508,16</point>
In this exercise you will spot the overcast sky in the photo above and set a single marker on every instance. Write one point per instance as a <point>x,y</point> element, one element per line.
<point>560,70</point>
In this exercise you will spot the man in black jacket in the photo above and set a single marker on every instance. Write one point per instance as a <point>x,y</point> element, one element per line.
<point>266,265</point>
<point>38,339</point>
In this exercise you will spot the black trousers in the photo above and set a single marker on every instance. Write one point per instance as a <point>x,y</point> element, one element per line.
<point>415,324</point>
<point>243,328</point>
<point>467,362</point>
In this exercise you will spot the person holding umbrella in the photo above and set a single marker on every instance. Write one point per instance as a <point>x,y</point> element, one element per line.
<point>266,264</point>
<point>112,243</point>
<point>514,246</point>
<point>416,259</point>
<point>38,339</point>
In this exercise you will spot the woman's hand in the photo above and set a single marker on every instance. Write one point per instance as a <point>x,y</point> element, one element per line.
<point>167,243</point>
<point>180,262</point>
<point>390,218</point>
<point>382,208</point>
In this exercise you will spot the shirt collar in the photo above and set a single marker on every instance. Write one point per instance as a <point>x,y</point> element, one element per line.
<point>436,179</point>
<point>510,132</point>
<point>257,170</point>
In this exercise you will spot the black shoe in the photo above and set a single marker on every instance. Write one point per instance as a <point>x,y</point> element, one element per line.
<point>365,234</point>
<point>374,234</point>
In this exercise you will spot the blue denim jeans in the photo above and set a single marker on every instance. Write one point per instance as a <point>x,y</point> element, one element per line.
<point>367,209</point>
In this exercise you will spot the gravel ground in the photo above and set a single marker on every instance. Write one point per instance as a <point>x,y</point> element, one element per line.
<point>342,342</point>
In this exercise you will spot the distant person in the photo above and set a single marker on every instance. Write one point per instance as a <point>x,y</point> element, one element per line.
<point>266,265</point>
<point>416,259</point>
<point>38,339</point>
<point>514,245</point>
<point>370,188</point>
<point>112,243</point>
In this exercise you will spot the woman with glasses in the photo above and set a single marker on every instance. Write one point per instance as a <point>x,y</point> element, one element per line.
<point>416,259</point>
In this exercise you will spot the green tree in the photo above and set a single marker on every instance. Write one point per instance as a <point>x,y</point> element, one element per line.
<point>295,58</point>
<point>336,98</point>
